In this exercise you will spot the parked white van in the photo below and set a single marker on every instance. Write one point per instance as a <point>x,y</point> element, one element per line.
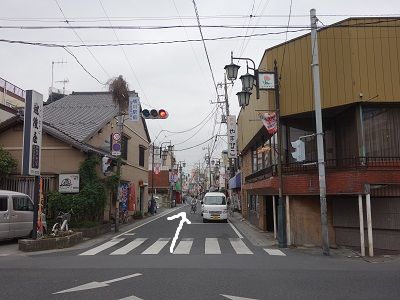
<point>16,215</point>
<point>214,207</point>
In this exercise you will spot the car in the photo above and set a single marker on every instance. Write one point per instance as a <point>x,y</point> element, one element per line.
<point>16,215</point>
<point>214,206</point>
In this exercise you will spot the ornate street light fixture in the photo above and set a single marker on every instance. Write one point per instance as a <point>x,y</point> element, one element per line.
<point>247,81</point>
<point>231,70</point>
<point>244,98</point>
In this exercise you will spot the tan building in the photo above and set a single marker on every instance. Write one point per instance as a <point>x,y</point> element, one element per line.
<point>11,95</point>
<point>360,94</point>
<point>80,125</point>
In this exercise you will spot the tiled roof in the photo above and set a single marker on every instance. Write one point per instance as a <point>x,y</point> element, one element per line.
<point>80,115</point>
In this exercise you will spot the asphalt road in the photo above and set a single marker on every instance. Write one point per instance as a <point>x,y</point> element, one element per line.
<point>210,260</point>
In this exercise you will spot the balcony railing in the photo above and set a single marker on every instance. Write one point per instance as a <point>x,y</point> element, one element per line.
<point>354,163</point>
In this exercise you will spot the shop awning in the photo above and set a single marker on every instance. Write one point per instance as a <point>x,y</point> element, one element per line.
<point>235,182</point>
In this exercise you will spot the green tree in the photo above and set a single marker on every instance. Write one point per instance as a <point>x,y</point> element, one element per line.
<point>7,163</point>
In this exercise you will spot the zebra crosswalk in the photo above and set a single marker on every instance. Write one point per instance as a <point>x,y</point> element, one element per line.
<point>185,246</point>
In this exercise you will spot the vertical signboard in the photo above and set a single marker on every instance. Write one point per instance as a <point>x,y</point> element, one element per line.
<point>115,144</point>
<point>232,137</point>
<point>134,108</point>
<point>32,144</point>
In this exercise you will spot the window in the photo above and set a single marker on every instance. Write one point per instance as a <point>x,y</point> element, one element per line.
<point>141,155</point>
<point>254,160</point>
<point>124,147</point>
<point>3,203</point>
<point>22,203</point>
<point>214,200</point>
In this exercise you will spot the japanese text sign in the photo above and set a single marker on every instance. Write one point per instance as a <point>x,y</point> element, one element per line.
<point>232,136</point>
<point>134,108</point>
<point>33,119</point>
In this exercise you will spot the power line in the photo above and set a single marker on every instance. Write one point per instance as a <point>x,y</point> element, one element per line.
<point>284,46</point>
<point>91,53</point>
<point>83,67</point>
<point>143,43</point>
<point>125,55</point>
<point>169,18</point>
<point>194,145</point>
<point>205,48</point>
<point>187,36</point>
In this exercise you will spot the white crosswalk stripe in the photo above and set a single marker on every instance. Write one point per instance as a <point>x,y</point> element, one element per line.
<point>274,252</point>
<point>157,246</point>
<point>212,246</point>
<point>239,246</point>
<point>184,246</point>
<point>102,247</point>
<point>129,247</point>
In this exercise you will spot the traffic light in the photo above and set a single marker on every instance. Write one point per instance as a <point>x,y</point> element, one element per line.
<point>300,152</point>
<point>154,114</point>
<point>106,165</point>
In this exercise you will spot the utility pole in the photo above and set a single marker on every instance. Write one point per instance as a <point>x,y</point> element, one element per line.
<point>319,132</point>
<point>231,171</point>
<point>282,243</point>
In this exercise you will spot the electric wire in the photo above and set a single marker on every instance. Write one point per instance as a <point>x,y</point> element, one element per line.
<point>125,55</point>
<point>188,148</point>
<point>90,51</point>
<point>284,46</point>
<point>191,45</point>
<point>205,48</point>
<point>169,18</point>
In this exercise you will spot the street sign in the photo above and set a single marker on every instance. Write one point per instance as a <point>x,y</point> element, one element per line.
<point>232,137</point>
<point>115,144</point>
<point>134,108</point>
<point>32,142</point>
<point>266,80</point>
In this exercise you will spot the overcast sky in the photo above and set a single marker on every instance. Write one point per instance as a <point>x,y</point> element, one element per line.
<point>174,76</point>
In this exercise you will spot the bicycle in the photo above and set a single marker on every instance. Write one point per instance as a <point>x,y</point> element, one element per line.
<point>62,222</point>
<point>193,208</point>
<point>230,210</point>
<point>123,216</point>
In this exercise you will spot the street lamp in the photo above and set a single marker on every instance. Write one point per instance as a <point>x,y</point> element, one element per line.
<point>248,80</point>
<point>244,98</point>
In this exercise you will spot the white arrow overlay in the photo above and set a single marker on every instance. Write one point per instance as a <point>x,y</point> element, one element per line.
<point>236,298</point>
<point>95,284</point>
<point>184,220</point>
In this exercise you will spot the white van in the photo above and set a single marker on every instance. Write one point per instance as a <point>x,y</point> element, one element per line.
<point>16,215</point>
<point>214,207</point>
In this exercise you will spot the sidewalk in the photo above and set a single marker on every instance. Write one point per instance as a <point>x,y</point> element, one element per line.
<point>266,239</point>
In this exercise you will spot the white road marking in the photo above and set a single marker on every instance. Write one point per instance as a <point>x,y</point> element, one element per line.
<point>236,298</point>
<point>181,222</point>
<point>212,246</point>
<point>240,247</point>
<point>237,231</point>
<point>157,246</point>
<point>129,233</point>
<point>95,284</point>
<point>184,246</point>
<point>131,298</point>
<point>145,223</point>
<point>274,252</point>
<point>129,247</point>
<point>102,247</point>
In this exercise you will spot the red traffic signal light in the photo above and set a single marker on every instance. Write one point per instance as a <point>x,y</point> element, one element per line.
<point>154,114</point>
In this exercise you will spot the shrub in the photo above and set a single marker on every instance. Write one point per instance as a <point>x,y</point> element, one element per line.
<point>88,204</point>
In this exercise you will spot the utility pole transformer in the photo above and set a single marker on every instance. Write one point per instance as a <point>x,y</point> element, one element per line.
<point>319,133</point>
